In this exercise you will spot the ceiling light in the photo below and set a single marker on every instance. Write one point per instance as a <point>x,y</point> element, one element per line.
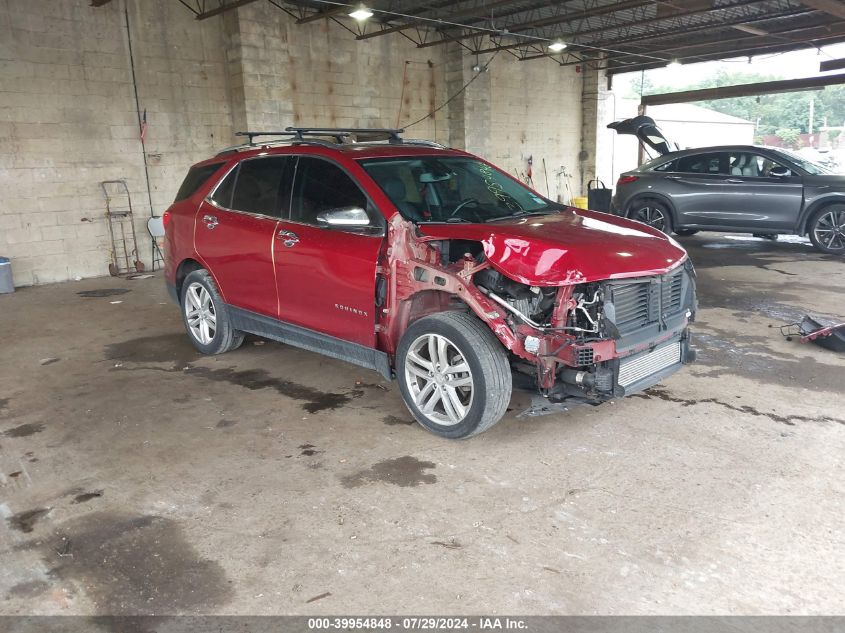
<point>361,13</point>
<point>674,64</point>
<point>557,46</point>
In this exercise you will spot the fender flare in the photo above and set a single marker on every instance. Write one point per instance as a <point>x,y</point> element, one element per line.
<point>808,212</point>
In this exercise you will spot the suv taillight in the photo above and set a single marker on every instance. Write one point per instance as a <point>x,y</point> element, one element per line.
<point>165,219</point>
<point>624,180</point>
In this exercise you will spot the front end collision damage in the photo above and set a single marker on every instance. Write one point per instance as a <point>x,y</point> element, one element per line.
<point>559,335</point>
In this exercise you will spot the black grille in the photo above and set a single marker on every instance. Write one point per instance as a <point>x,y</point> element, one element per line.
<point>584,356</point>
<point>639,303</point>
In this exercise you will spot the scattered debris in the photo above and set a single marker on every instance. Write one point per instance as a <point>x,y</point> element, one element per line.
<point>823,332</point>
<point>452,544</point>
<point>134,277</point>
<point>320,597</point>
<point>115,302</point>
<point>49,361</point>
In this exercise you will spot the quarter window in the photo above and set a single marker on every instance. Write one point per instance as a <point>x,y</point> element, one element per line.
<point>197,176</point>
<point>321,186</point>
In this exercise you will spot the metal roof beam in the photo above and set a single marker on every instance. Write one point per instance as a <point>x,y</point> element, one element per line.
<point>222,9</point>
<point>832,64</point>
<point>744,90</point>
<point>559,19</point>
<point>835,8</point>
<point>449,16</point>
<point>796,37</point>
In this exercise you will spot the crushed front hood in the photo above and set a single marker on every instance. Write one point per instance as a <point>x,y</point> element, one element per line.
<point>574,246</point>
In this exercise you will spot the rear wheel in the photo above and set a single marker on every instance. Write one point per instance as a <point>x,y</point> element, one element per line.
<point>685,232</point>
<point>827,229</point>
<point>653,213</point>
<point>454,374</point>
<point>205,315</point>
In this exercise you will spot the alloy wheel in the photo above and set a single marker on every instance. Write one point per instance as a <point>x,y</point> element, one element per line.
<point>829,230</point>
<point>200,313</point>
<point>439,379</point>
<point>651,215</point>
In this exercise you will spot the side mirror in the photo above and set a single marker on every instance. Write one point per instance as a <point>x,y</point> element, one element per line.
<point>778,171</point>
<point>344,217</point>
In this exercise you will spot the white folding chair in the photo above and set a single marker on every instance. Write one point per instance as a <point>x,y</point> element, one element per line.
<point>155,226</point>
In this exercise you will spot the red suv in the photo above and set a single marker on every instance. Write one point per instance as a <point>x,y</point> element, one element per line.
<point>425,264</point>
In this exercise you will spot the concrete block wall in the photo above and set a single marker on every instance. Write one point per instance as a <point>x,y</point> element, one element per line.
<point>536,112</point>
<point>69,119</point>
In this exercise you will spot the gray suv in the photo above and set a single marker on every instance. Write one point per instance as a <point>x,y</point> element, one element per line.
<point>739,188</point>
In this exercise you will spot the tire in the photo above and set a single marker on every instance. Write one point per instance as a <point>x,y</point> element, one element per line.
<point>651,212</point>
<point>485,389</point>
<point>211,330</point>
<point>685,232</point>
<point>827,229</point>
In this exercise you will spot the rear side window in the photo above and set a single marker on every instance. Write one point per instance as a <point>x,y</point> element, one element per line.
<point>700,164</point>
<point>196,178</point>
<point>665,166</point>
<point>258,186</point>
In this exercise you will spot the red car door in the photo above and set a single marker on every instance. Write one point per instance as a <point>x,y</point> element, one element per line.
<point>235,229</point>
<point>326,277</point>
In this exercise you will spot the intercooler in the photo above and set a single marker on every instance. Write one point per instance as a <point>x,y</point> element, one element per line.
<point>640,366</point>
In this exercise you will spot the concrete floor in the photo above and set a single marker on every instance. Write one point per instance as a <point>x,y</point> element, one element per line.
<point>138,477</point>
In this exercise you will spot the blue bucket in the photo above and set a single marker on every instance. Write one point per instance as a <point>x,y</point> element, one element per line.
<point>6,284</point>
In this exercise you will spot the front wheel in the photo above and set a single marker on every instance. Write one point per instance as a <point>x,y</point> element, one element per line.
<point>653,213</point>
<point>827,229</point>
<point>454,374</point>
<point>205,316</point>
<point>685,232</point>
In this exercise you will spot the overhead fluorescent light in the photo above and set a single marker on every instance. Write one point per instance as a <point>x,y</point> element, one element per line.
<point>557,46</point>
<point>361,13</point>
<point>674,64</point>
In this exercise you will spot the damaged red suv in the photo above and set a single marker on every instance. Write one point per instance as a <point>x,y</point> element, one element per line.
<point>428,265</point>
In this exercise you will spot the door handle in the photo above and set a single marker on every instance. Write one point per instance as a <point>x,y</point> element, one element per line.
<point>735,181</point>
<point>210,221</point>
<point>289,238</point>
<point>672,177</point>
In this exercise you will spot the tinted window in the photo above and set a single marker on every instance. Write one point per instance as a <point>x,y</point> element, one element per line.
<point>320,186</point>
<point>258,186</point>
<point>665,166</point>
<point>195,179</point>
<point>223,194</point>
<point>700,164</point>
<point>750,165</point>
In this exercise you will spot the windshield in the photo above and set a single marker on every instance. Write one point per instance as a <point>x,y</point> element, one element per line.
<point>807,165</point>
<point>453,189</point>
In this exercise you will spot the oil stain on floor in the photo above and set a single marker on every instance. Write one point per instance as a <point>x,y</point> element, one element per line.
<point>24,430</point>
<point>314,400</point>
<point>103,292</point>
<point>395,420</point>
<point>136,565</point>
<point>25,521</point>
<point>166,348</point>
<point>404,471</point>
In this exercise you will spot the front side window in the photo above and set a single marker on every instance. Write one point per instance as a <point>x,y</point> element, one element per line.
<point>322,186</point>
<point>807,165</point>
<point>453,189</point>
<point>700,164</point>
<point>750,165</point>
